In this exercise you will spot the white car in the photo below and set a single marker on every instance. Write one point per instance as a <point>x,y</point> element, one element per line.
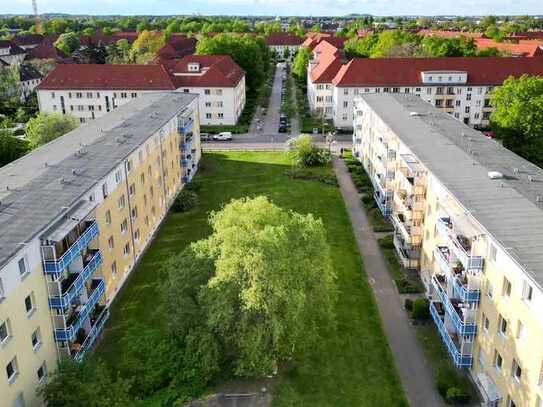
<point>224,136</point>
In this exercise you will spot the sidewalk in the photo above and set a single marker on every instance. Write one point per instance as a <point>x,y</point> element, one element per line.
<point>413,367</point>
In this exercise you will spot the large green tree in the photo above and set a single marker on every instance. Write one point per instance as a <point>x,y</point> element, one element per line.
<point>11,147</point>
<point>301,62</point>
<point>68,42</point>
<point>518,116</point>
<point>46,127</point>
<point>259,288</point>
<point>10,86</point>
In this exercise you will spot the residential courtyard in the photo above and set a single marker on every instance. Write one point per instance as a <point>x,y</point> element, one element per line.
<point>353,366</point>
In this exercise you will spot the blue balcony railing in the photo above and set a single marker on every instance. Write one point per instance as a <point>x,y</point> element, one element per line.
<point>61,302</point>
<point>469,262</point>
<point>56,266</point>
<point>377,186</point>
<point>185,125</point>
<point>444,264</point>
<point>383,207</point>
<point>466,295</point>
<point>69,333</point>
<point>462,327</point>
<point>459,359</point>
<point>93,334</point>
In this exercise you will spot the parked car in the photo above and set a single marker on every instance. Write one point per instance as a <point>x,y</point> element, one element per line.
<point>205,137</point>
<point>283,128</point>
<point>223,136</point>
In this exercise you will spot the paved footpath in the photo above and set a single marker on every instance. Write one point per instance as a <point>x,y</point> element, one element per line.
<point>414,368</point>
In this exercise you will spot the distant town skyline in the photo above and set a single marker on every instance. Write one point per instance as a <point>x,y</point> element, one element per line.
<point>278,7</point>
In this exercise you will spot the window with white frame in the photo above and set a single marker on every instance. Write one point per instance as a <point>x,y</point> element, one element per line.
<point>527,292</point>
<point>126,250</point>
<point>23,269</point>
<point>121,202</point>
<point>29,304</point>
<point>124,226</point>
<point>502,325</point>
<point>4,331</point>
<point>516,371</point>
<point>12,370</point>
<point>110,243</point>
<point>108,217</point>
<point>506,287</point>
<point>521,330</point>
<point>490,291</point>
<point>35,339</point>
<point>498,360</point>
<point>492,252</point>
<point>114,268</point>
<point>42,372</point>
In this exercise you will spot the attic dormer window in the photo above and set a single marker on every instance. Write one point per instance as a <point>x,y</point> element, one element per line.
<point>194,67</point>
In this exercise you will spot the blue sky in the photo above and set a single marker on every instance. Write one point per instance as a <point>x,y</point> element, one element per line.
<point>278,7</point>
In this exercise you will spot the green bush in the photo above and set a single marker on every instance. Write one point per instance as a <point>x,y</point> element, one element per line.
<point>455,395</point>
<point>387,242</point>
<point>408,304</point>
<point>421,310</point>
<point>185,201</point>
<point>305,153</point>
<point>367,199</point>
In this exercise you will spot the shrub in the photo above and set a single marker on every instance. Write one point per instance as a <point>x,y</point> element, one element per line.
<point>367,199</point>
<point>305,153</point>
<point>387,242</point>
<point>408,304</point>
<point>185,201</point>
<point>421,310</point>
<point>193,186</point>
<point>454,395</point>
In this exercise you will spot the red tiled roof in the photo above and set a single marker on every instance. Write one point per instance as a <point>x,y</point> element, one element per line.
<point>407,71</point>
<point>215,71</point>
<point>312,42</point>
<point>28,39</point>
<point>522,48</point>
<point>114,77</point>
<point>328,64</point>
<point>177,48</point>
<point>46,50</point>
<point>283,38</point>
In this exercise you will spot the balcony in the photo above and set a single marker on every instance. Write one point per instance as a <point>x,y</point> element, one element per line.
<point>77,320</point>
<point>411,234</point>
<point>460,358</point>
<point>75,283</point>
<point>407,255</point>
<point>383,204</point>
<point>378,186</point>
<point>462,316</point>
<point>97,327</point>
<point>185,125</point>
<point>56,266</point>
<point>466,289</point>
<point>459,244</point>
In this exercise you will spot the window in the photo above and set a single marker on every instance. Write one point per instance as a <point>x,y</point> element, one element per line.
<point>428,91</point>
<point>22,267</point>
<point>110,243</point>
<point>486,323</point>
<point>53,95</point>
<point>457,103</point>
<point>220,115</point>
<point>137,235</point>
<point>121,202</point>
<point>345,91</point>
<point>510,402</point>
<point>42,372</point>
<point>345,104</point>
<point>134,94</point>
<point>29,304</point>
<point>79,95</point>
<point>492,252</point>
<point>498,361</point>
<point>134,213</point>
<point>386,90</point>
<point>124,226</point>
<point>208,104</point>
<point>35,339</point>
<point>506,288</point>
<point>502,325</point>
<point>126,250</point>
<point>466,109</point>
<point>132,189</point>
<point>129,166</point>
<point>207,91</point>
<point>104,190</point>
<point>4,331</point>
<point>108,217</point>
<point>123,95</point>
<point>208,115</point>
<point>114,268</point>
<point>527,292</point>
<point>11,370</point>
<point>521,330</point>
<point>118,176</point>
<point>142,178</point>
<point>468,96</point>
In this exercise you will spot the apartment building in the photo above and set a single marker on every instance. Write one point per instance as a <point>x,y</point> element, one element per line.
<point>89,91</point>
<point>459,86</point>
<point>76,215</point>
<point>219,83</point>
<point>282,42</point>
<point>11,53</point>
<point>468,214</point>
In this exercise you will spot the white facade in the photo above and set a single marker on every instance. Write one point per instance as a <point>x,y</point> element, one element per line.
<point>28,86</point>
<point>85,105</point>
<point>470,104</point>
<point>280,50</point>
<point>219,106</point>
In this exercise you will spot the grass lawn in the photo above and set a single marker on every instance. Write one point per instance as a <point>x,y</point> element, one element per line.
<point>353,367</point>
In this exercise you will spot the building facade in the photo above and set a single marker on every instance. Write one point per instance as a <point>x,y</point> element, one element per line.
<point>468,215</point>
<point>89,91</point>
<point>77,214</point>
<point>284,44</point>
<point>458,86</point>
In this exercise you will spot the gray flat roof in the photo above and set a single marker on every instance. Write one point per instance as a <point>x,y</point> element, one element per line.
<point>38,188</point>
<point>509,209</point>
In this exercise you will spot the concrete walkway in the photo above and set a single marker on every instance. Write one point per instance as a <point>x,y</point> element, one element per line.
<point>413,367</point>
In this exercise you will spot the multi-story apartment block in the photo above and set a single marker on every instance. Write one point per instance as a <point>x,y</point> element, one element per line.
<point>469,214</point>
<point>89,91</point>
<point>76,215</point>
<point>458,86</point>
<point>219,82</point>
<point>282,42</point>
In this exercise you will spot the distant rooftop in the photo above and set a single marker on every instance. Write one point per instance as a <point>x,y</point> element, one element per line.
<point>37,189</point>
<point>510,209</point>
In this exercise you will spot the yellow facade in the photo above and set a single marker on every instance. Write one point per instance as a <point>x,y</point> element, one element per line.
<point>507,292</point>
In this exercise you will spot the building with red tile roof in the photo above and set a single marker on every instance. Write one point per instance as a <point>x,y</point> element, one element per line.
<point>449,33</point>
<point>284,43</point>
<point>89,91</point>
<point>177,48</point>
<point>46,50</point>
<point>11,53</point>
<point>521,48</point>
<point>460,86</point>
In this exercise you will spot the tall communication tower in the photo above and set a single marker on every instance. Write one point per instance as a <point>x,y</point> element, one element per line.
<point>36,16</point>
